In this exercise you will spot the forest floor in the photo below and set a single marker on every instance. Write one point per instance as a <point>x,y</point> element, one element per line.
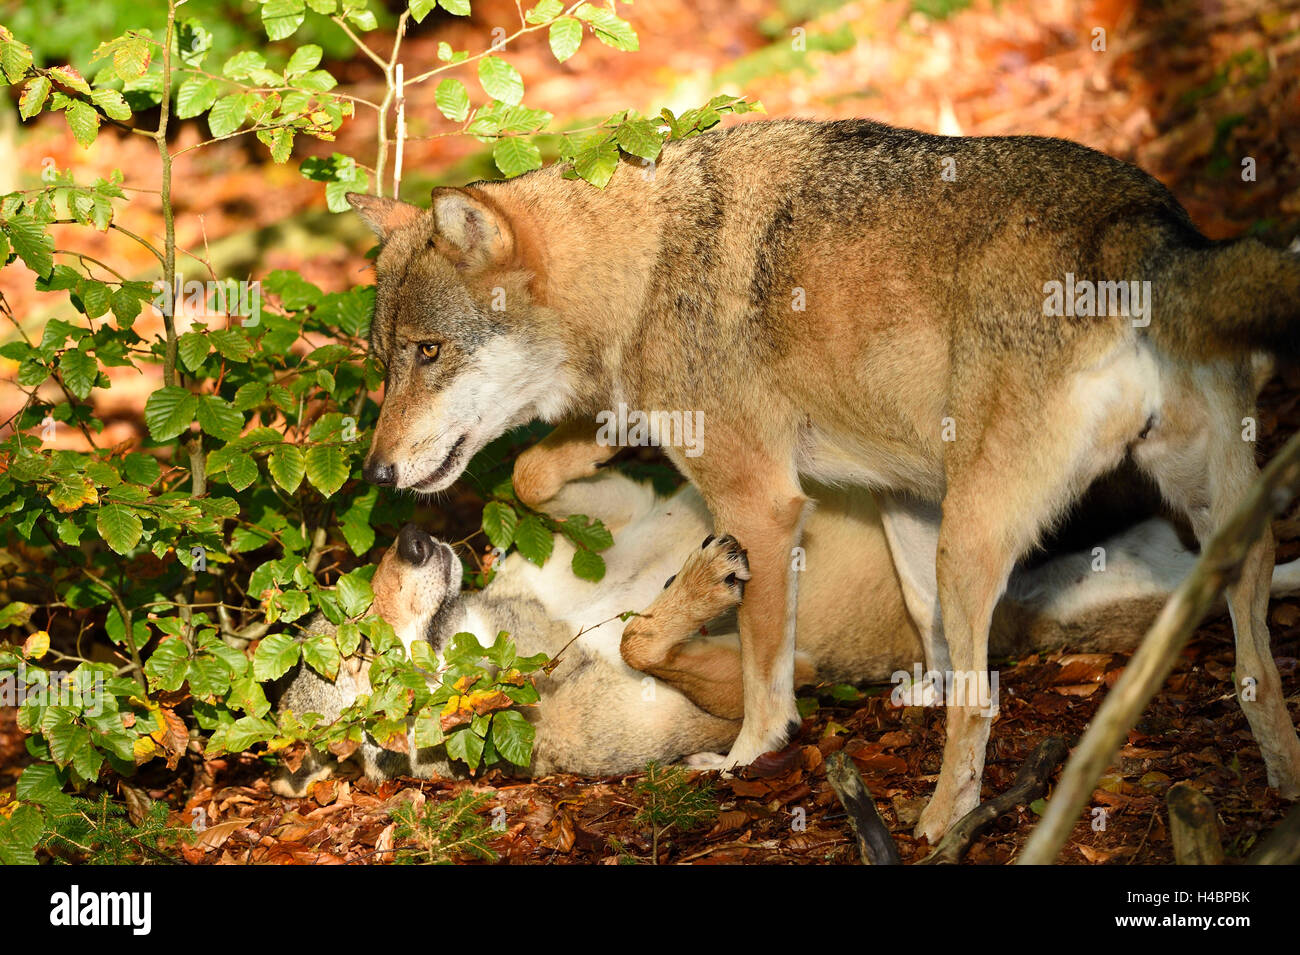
<point>1185,89</point>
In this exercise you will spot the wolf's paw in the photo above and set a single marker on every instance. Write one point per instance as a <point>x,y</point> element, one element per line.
<point>296,784</point>
<point>941,813</point>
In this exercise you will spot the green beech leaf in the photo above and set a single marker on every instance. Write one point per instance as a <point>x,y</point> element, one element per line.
<point>513,736</point>
<point>355,594</point>
<point>34,96</point>
<point>79,371</point>
<point>321,653</point>
<point>544,11</point>
<point>639,137</point>
<point>287,465</point>
<point>597,162</point>
<point>168,664</point>
<point>306,57</point>
<point>499,522</point>
<point>228,114</point>
<point>196,96</point>
<point>231,344</point>
<point>281,18</point>
<point>327,468</point>
<point>241,471</point>
<point>588,565</point>
<point>119,527</point>
<point>533,539</point>
<point>193,347</point>
<point>169,411</point>
<point>275,655</point>
<point>500,80</point>
<point>218,418</point>
<point>452,99</point>
<point>566,37</point>
<point>83,121</point>
<point>514,155</point>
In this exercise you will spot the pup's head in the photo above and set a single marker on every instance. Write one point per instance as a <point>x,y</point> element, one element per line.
<point>455,326</point>
<point>417,586</point>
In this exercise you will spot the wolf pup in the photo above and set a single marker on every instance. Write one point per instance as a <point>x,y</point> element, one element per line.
<point>599,716</point>
<point>852,303</point>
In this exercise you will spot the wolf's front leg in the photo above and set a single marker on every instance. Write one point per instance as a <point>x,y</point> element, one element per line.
<point>767,513</point>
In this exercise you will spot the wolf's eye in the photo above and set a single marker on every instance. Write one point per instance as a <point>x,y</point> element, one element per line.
<point>429,350</point>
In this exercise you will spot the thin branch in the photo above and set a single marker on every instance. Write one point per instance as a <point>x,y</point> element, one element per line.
<point>492,49</point>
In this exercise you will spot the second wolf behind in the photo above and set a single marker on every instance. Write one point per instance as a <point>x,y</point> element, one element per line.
<point>599,715</point>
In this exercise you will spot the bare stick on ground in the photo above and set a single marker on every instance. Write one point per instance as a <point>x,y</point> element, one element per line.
<point>1146,672</point>
<point>1193,827</point>
<point>875,844</point>
<point>1282,845</point>
<point>1031,782</point>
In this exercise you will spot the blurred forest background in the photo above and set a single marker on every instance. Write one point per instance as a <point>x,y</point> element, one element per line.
<point>1187,89</point>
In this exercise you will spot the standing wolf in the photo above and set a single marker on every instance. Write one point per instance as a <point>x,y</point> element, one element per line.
<point>850,303</point>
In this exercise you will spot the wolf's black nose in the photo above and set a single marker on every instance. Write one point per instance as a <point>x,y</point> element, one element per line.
<point>378,472</point>
<point>415,545</point>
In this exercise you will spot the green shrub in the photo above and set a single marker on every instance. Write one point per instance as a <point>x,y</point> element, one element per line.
<point>198,557</point>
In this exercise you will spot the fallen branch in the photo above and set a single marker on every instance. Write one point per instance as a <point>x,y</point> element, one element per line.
<point>1282,845</point>
<point>875,844</point>
<point>1146,672</point>
<point>1031,783</point>
<point>1192,827</point>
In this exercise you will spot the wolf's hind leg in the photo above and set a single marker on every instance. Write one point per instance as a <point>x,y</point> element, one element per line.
<point>912,530</point>
<point>1198,457</point>
<point>662,642</point>
<point>1021,456</point>
<point>667,642</point>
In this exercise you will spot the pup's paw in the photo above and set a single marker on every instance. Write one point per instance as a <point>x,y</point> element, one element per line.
<point>296,785</point>
<point>728,562</point>
<point>713,578</point>
<point>705,761</point>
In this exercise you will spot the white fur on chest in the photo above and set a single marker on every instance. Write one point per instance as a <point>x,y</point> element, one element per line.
<point>645,554</point>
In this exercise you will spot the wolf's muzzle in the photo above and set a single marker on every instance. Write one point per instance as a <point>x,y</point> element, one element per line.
<point>415,545</point>
<point>379,472</point>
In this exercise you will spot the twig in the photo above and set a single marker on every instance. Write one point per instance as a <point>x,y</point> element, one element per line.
<point>169,216</point>
<point>1192,827</point>
<point>1031,783</point>
<point>875,844</point>
<point>399,81</point>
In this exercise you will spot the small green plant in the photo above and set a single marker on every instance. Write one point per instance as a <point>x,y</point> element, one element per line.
<point>44,821</point>
<point>443,832</point>
<point>671,802</point>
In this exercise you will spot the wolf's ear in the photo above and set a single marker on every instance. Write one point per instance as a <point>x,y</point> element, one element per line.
<point>384,216</point>
<point>474,225</point>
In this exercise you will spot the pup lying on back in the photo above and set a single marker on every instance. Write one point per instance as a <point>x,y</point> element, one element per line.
<point>599,712</point>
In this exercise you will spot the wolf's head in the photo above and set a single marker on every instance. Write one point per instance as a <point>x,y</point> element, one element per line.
<point>417,587</point>
<point>455,326</point>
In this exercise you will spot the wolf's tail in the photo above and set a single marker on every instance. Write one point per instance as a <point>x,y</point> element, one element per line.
<point>1225,298</point>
